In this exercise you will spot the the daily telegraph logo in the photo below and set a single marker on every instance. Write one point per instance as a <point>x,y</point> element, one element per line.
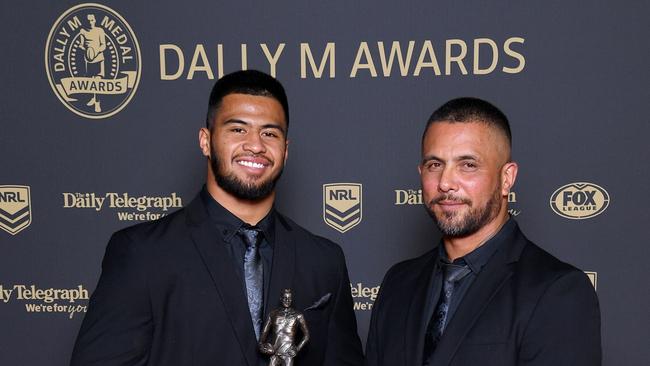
<point>414,197</point>
<point>342,205</point>
<point>364,296</point>
<point>36,300</point>
<point>15,208</point>
<point>129,207</point>
<point>579,200</point>
<point>408,197</point>
<point>92,59</point>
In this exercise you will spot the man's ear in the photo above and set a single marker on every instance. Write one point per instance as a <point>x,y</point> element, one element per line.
<point>286,150</point>
<point>508,177</point>
<point>204,141</point>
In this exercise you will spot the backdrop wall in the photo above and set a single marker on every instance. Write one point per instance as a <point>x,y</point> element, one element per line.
<point>95,140</point>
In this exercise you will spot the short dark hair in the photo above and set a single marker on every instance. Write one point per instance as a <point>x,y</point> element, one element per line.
<point>251,82</point>
<point>466,109</point>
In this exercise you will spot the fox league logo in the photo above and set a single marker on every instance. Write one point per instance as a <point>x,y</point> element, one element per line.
<point>92,59</point>
<point>15,208</point>
<point>342,205</point>
<point>581,200</point>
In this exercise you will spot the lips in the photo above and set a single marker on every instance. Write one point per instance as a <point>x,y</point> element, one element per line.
<point>253,162</point>
<point>447,201</point>
<point>450,203</point>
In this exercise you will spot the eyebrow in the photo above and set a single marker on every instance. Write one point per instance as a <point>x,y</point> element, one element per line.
<point>266,125</point>
<point>467,157</point>
<point>459,158</point>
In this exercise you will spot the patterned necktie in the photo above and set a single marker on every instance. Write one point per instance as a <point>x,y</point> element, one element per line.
<point>452,273</point>
<point>254,276</point>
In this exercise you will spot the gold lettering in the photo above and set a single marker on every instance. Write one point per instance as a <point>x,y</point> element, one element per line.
<point>370,65</point>
<point>244,57</point>
<point>328,55</point>
<point>395,50</point>
<point>219,61</point>
<point>457,59</point>
<point>273,60</point>
<point>163,64</point>
<point>427,50</point>
<point>517,55</point>
<point>107,23</point>
<point>199,52</point>
<point>74,23</point>
<point>495,56</point>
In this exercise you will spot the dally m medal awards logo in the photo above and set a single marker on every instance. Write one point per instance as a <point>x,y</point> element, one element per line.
<point>15,208</point>
<point>579,200</point>
<point>93,62</point>
<point>342,205</point>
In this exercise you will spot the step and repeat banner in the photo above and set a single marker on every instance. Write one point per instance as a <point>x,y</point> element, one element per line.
<point>102,103</point>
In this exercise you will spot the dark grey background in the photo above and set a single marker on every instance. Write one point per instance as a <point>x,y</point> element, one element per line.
<point>578,112</point>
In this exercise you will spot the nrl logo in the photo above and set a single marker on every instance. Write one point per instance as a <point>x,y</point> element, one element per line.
<point>92,59</point>
<point>15,208</point>
<point>342,205</point>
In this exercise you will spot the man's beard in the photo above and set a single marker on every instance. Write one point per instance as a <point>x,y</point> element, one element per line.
<point>471,222</point>
<point>235,186</point>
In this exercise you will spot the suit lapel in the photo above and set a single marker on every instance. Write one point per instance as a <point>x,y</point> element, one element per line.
<point>480,293</point>
<point>219,264</point>
<point>416,321</point>
<point>491,278</point>
<point>282,270</point>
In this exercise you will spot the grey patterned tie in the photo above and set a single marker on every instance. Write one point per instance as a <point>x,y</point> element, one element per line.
<point>452,273</point>
<point>254,275</point>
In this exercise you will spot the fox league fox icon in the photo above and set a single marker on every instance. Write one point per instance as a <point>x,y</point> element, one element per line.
<point>15,208</point>
<point>93,62</point>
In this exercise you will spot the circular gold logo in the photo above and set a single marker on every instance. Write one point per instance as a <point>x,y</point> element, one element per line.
<point>581,200</point>
<point>92,58</point>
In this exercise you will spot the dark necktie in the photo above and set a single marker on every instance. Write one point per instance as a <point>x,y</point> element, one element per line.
<point>254,276</point>
<point>452,273</point>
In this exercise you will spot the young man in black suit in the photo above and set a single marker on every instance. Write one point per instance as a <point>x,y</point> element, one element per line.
<point>194,287</point>
<point>486,295</point>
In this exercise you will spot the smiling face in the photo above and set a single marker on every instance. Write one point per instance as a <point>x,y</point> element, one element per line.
<point>247,145</point>
<point>466,176</point>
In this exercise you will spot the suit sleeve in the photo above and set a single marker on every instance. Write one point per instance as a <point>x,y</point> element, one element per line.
<point>564,329</point>
<point>117,328</point>
<point>372,343</point>
<point>372,358</point>
<point>343,344</point>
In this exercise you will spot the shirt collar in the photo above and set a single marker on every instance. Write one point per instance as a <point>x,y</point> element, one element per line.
<point>228,224</point>
<point>477,258</point>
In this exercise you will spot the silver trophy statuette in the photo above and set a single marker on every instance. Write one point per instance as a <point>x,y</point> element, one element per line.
<point>283,324</point>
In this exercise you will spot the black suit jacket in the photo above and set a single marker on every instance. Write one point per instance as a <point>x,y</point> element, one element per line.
<point>524,308</point>
<point>169,295</point>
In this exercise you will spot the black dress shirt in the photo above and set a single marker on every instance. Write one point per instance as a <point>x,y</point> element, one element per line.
<point>228,225</point>
<point>475,260</point>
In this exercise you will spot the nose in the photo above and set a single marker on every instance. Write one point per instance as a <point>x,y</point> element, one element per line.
<point>447,181</point>
<point>254,143</point>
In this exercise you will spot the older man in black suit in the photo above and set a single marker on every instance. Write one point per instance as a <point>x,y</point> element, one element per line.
<point>193,287</point>
<point>486,295</point>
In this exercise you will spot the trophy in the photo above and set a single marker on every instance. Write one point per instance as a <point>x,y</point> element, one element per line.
<point>283,324</point>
